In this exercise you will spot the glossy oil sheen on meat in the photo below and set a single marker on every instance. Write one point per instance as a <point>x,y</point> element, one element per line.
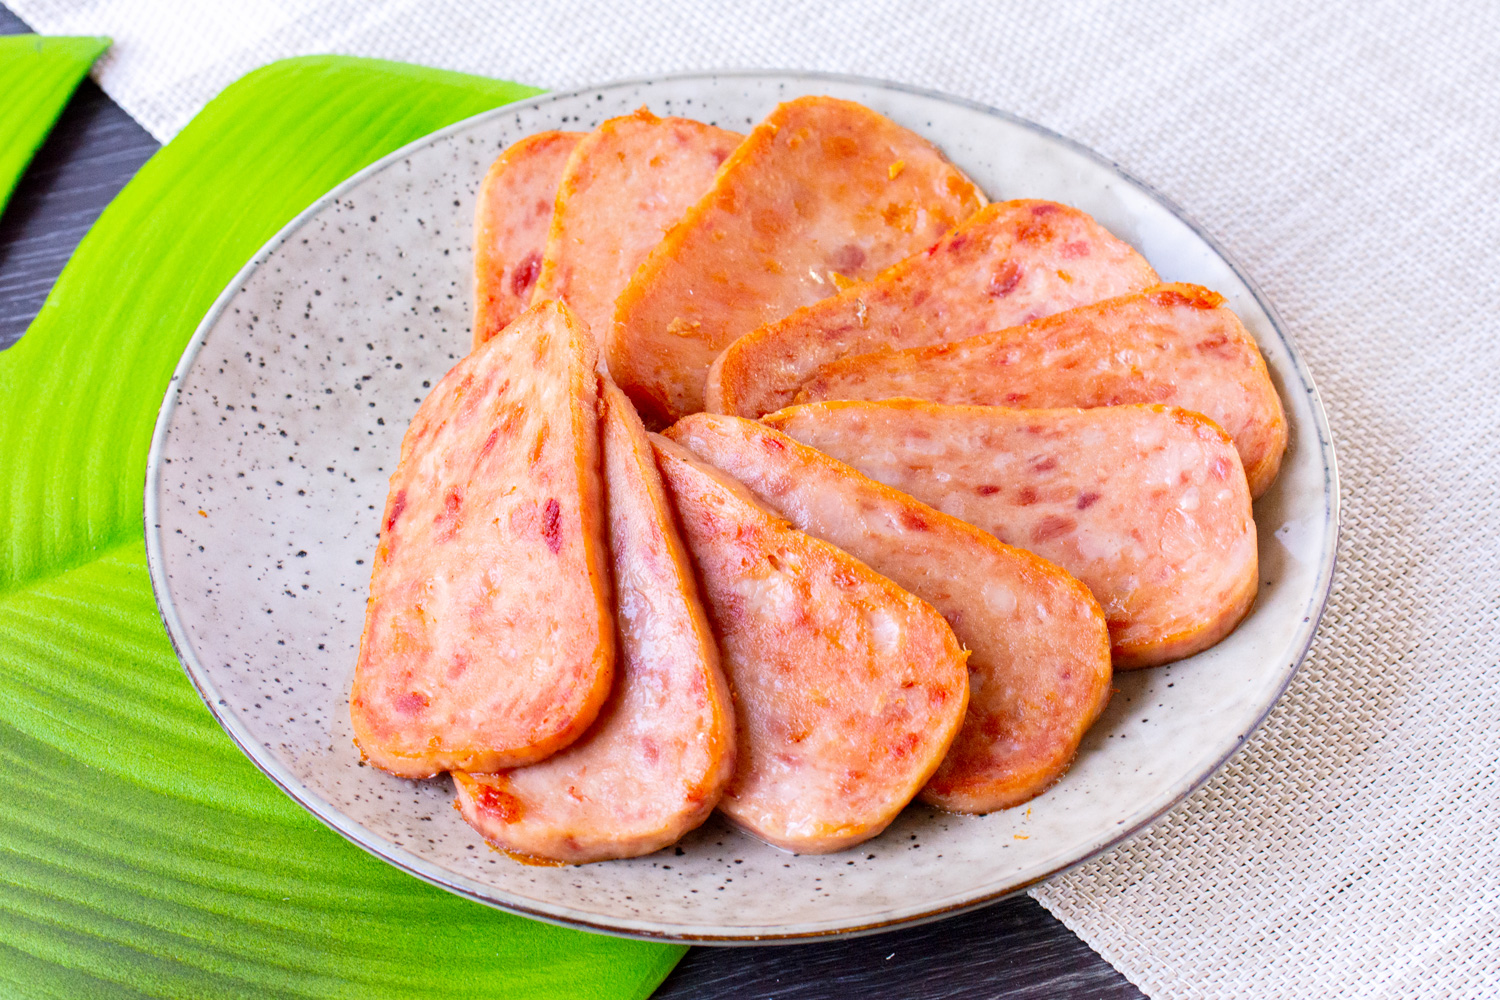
<point>1039,662</point>
<point>822,192</point>
<point>1147,505</point>
<point>1012,262</point>
<point>848,690</point>
<point>1176,344</point>
<point>489,637</point>
<point>656,760</point>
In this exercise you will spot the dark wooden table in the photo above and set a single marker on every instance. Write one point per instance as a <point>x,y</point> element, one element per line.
<point>1013,949</point>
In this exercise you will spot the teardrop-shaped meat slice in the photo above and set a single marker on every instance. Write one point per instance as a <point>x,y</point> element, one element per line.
<point>1010,263</point>
<point>511,220</point>
<point>848,690</point>
<point>656,760</point>
<point>1176,344</point>
<point>489,639</point>
<point>822,192</point>
<point>1147,505</point>
<point>626,184</point>
<point>1039,669</point>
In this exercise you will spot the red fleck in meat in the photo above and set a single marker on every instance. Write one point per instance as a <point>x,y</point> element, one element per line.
<point>1087,500</point>
<point>987,490</point>
<point>1075,249</point>
<point>550,530</point>
<point>524,276</point>
<point>1036,233</point>
<point>500,804</point>
<point>847,259</point>
<point>412,702</point>
<point>1005,280</point>
<point>909,742</point>
<point>1217,345</point>
<point>1052,527</point>
<point>397,506</point>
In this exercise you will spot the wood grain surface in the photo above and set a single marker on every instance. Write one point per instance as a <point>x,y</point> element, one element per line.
<point>1012,950</point>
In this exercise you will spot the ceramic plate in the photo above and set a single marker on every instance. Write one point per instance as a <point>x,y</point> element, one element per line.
<point>268,472</point>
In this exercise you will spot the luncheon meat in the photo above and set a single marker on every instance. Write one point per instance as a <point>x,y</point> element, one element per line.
<point>655,761</point>
<point>848,690</point>
<point>511,221</point>
<point>822,193</point>
<point>1176,344</point>
<point>626,184</point>
<point>1039,662</point>
<point>489,639</point>
<point>1147,505</point>
<point>1011,263</point>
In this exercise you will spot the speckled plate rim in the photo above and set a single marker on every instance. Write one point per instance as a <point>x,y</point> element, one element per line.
<point>566,916</point>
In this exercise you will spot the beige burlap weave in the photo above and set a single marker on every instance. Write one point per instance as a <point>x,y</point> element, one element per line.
<point>1348,154</point>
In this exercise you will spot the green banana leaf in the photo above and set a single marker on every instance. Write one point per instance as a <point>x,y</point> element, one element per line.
<point>140,852</point>
<point>37,76</point>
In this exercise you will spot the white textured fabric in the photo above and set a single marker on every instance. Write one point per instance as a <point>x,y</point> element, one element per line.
<point>1348,154</point>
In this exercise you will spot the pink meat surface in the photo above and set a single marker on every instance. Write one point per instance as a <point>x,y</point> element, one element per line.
<point>488,639</point>
<point>1011,263</point>
<point>511,220</point>
<point>626,184</point>
<point>821,192</point>
<point>1039,665</point>
<point>656,760</point>
<point>1176,344</point>
<point>848,690</point>
<point>1147,505</point>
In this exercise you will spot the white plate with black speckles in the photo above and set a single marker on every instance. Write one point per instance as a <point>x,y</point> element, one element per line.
<point>268,471</point>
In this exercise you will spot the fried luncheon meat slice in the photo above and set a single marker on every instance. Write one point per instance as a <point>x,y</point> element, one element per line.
<point>1176,344</point>
<point>1039,667</point>
<point>822,192</point>
<point>656,760</point>
<point>625,185</point>
<point>489,639</point>
<point>1010,263</point>
<point>1146,504</point>
<point>848,689</point>
<point>511,220</point>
